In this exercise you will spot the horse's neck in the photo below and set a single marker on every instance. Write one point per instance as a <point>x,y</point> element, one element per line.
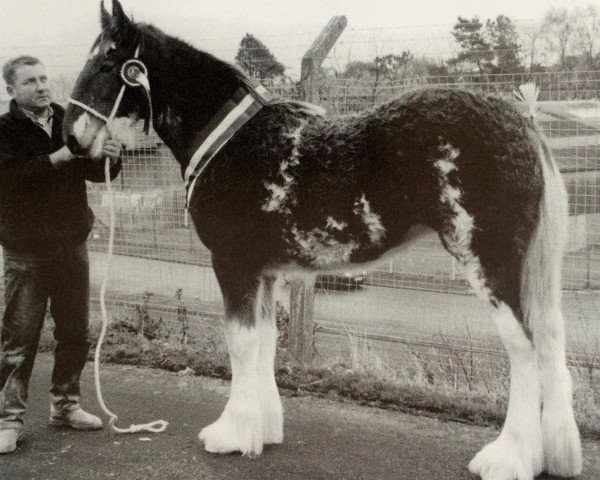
<point>183,107</point>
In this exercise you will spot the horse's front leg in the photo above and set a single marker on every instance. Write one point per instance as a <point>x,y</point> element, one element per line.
<point>267,337</point>
<point>252,416</point>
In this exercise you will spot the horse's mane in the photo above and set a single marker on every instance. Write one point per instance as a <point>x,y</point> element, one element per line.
<point>182,60</point>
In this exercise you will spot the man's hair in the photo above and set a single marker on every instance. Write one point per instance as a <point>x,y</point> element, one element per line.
<point>10,67</point>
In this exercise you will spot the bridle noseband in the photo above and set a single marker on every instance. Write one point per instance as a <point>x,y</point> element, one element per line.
<point>133,74</point>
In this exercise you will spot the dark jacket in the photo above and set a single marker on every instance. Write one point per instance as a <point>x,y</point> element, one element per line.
<point>42,207</point>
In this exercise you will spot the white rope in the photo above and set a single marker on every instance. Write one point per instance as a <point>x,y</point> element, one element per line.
<point>156,426</point>
<point>88,109</point>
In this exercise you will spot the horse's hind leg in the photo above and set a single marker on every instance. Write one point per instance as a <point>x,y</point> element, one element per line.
<point>541,303</point>
<point>241,425</point>
<point>517,453</point>
<point>562,444</point>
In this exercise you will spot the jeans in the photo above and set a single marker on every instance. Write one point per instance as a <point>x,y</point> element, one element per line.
<point>31,279</point>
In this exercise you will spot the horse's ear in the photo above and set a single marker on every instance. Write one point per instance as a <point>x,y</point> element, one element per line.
<point>105,17</point>
<point>120,20</point>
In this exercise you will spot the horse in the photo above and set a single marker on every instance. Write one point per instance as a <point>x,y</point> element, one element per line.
<point>277,185</point>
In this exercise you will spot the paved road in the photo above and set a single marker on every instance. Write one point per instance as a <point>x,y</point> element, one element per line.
<point>325,440</point>
<point>376,310</point>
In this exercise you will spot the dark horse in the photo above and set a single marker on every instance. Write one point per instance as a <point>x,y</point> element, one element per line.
<point>288,188</point>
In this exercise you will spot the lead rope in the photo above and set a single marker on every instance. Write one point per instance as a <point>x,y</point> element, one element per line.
<point>133,78</point>
<point>156,426</point>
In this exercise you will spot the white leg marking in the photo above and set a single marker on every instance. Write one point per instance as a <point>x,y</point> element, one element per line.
<point>272,410</point>
<point>517,454</point>
<point>562,444</point>
<point>240,426</point>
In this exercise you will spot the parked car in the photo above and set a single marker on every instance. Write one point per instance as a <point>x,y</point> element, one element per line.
<point>347,281</point>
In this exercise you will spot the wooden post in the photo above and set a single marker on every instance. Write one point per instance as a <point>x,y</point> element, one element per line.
<point>302,324</point>
<point>302,294</point>
<point>313,58</point>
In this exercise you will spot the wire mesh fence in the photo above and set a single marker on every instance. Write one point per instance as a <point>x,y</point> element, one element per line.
<point>415,309</point>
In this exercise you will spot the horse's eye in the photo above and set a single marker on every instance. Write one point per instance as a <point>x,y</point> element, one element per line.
<point>106,67</point>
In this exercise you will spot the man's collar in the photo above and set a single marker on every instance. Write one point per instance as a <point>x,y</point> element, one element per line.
<point>45,117</point>
<point>19,112</point>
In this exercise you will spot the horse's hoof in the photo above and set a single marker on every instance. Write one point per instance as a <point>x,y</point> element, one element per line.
<point>562,444</point>
<point>234,433</point>
<point>504,459</point>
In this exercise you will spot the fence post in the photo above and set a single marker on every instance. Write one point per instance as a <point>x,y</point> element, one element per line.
<point>302,294</point>
<point>301,327</point>
<point>313,58</point>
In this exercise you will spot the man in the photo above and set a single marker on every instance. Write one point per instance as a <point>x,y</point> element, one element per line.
<point>44,222</point>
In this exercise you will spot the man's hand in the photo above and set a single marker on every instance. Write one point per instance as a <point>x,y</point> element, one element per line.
<point>111,149</point>
<point>61,157</point>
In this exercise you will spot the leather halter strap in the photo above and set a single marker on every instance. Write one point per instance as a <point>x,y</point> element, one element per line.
<point>133,74</point>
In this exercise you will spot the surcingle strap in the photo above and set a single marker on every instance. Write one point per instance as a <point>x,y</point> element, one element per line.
<point>233,115</point>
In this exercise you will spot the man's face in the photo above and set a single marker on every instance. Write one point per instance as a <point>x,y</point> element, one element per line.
<point>30,87</point>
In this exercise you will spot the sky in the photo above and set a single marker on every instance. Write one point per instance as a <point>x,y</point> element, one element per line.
<point>60,32</point>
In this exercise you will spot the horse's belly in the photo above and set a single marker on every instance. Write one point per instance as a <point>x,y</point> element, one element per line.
<point>320,251</point>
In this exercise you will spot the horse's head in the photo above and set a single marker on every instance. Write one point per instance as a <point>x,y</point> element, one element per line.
<point>100,83</point>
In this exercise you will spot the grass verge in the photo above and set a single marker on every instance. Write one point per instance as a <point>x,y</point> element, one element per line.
<point>450,385</point>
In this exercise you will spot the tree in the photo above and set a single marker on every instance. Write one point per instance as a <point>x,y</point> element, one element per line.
<point>558,30</point>
<point>493,49</point>
<point>586,32</point>
<point>359,69</point>
<point>392,66</point>
<point>476,51</point>
<point>256,59</point>
<point>505,44</point>
<point>532,35</point>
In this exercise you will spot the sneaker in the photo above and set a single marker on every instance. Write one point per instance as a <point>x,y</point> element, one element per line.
<point>8,439</point>
<point>76,418</point>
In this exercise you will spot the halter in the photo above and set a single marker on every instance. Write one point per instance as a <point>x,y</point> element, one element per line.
<point>233,115</point>
<point>133,74</point>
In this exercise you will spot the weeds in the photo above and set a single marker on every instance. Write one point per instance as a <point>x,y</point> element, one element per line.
<point>149,327</point>
<point>182,317</point>
<point>282,319</point>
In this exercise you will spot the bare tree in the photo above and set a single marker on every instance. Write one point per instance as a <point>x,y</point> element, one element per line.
<point>558,29</point>
<point>532,36</point>
<point>586,23</point>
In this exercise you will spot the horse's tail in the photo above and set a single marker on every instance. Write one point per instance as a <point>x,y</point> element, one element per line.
<point>541,273</point>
